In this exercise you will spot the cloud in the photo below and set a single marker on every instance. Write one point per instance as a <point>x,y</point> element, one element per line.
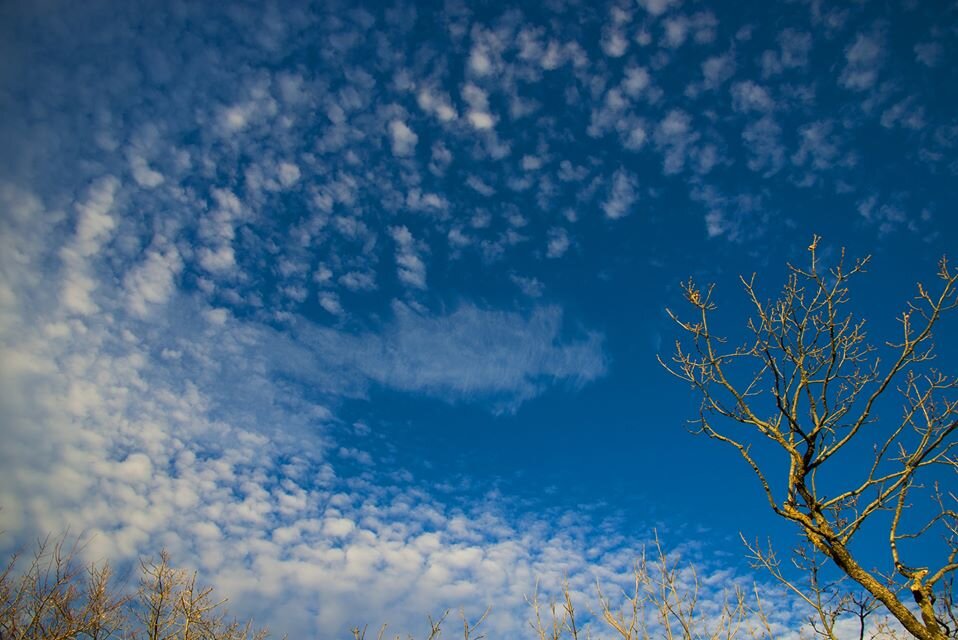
<point>763,140</point>
<point>95,223</point>
<point>358,281</point>
<point>411,268</point>
<point>202,447</point>
<point>478,114</point>
<point>479,62</point>
<point>749,96</point>
<point>929,53</point>
<point>904,113</point>
<point>94,227</point>
<point>675,136</point>
<point>330,302</point>
<point>701,26</point>
<point>143,174</point>
<point>479,186</point>
<point>863,59</point>
<point>818,145</point>
<point>289,174</point>
<point>793,52</point>
<point>558,242</point>
<point>738,218</point>
<point>219,260</point>
<point>623,193</point>
<point>717,70</point>
<point>658,7</point>
<point>481,120</point>
<point>436,103</point>
<point>153,281</point>
<point>531,287</point>
<point>470,353</point>
<point>889,217</point>
<point>403,138</point>
<point>218,228</point>
<point>614,43</point>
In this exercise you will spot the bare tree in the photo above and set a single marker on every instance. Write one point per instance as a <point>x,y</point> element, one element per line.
<point>52,596</point>
<point>660,600</point>
<point>171,606</point>
<point>806,386</point>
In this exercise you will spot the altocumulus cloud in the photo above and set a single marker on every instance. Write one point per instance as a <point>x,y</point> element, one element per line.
<point>147,441</point>
<point>468,353</point>
<point>147,417</point>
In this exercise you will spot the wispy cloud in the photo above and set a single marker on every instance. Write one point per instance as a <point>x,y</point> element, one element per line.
<point>471,352</point>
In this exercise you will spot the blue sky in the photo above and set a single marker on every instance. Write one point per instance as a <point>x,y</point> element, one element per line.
<point>356,308</point>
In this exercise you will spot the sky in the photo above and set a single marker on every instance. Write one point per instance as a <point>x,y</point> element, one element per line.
<point>355,307</point>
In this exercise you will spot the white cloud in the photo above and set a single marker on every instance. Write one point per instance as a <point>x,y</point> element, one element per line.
<point>360,456</point>
<point>480,120</point>
<point>458,239</point>
<point>216,317</point>
<point>863,59</point>
<point>889,217</point>
<point>818,145</point>
<point>623,194</point>
<point>338,527</point>
<point>531,287</point>
<point>289,174</point>
<point>658,7</point>
<point>676,31</point>
<point>403,138</point>
<point>94,227</point>
<point>793,52</point>
<point>472,351</point>
<point>219,260</point>
<point>479,62</point>
<point>95,222</point>
<point>558,242</point>
<point>929,53</point>
<point>737,218</point>
<point>904,113</point>
<point>478,114</point>
<point>717,70</point>
<point>436,103</point>
<point>255,105</point>
<point>358,280</point>
<point>330,302</point>
<point>143,174</point>
<point>416,200</point>
<point>636,80</point>
<point>749,96</point>
<point>440,159</point>
<point>531,163</point>
<point>614,43</point>
<point>478,185</point>
<point>675,136</point>
<point>152,282</point>
<point>763,140</point>
<point>700,26</point>
<point>410,267</point>
<point>218,228</point>
<point>569,172</point>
